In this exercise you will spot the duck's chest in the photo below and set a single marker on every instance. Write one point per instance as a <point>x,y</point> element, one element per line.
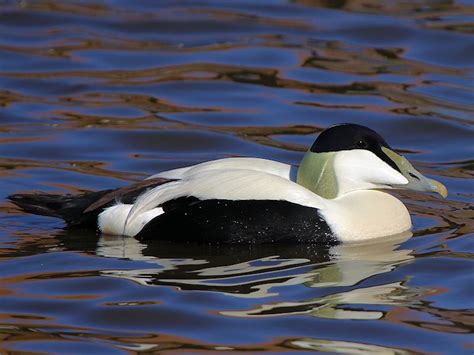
<point>240,221</point>
<point>366,214</point>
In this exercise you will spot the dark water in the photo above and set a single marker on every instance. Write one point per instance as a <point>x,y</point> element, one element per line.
<point>96,94</point>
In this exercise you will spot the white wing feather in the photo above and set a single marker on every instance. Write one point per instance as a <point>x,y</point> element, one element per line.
<point>256,164</point>
<point>236,184</point>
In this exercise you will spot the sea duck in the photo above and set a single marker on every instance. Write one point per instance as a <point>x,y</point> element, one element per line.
<point>333,196</point>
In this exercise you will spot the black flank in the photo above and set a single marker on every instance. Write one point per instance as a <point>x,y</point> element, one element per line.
<point>245,221</point>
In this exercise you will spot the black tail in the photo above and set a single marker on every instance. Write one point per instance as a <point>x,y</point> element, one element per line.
<point>81,210</point>
<point>68,207</point>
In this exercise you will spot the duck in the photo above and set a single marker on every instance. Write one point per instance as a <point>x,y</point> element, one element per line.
<point>336,195</point>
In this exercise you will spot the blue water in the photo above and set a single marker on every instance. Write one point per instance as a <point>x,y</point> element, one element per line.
<point>98,94</point>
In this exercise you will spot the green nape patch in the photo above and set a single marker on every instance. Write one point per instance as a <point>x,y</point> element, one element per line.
<point>316,173</point>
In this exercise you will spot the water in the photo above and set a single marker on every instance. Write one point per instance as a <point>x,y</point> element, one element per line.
<point>97,94</point>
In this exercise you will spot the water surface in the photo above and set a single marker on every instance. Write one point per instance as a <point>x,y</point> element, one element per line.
<point>98,94</point>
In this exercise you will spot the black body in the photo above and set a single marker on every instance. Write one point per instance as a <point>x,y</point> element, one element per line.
<point>241,221</point>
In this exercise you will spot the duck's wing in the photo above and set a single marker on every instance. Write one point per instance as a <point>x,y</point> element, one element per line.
<point>230,185</point>
<point>285,171</point>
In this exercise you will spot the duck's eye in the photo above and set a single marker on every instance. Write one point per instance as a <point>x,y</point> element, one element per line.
<point>361,144</point>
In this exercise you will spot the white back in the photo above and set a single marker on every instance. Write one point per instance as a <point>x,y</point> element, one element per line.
<point>256,164</point>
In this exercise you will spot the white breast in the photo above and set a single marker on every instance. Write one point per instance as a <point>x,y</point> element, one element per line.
<point>366,214</point>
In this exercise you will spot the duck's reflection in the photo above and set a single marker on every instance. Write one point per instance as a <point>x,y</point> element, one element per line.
<point>332,305</point>
<point>346,347</point>
<point>261,271</point>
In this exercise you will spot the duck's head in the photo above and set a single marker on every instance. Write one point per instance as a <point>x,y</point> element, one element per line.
<point>350,157</point>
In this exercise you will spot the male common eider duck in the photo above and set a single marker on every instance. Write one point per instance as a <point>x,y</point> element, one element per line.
<point>333,196</point>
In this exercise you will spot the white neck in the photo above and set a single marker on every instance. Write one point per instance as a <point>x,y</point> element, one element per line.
<point>366,214</point>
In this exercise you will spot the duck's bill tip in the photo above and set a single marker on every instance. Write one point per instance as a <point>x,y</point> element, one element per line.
<point>430,185</point>
<point>439,188</point>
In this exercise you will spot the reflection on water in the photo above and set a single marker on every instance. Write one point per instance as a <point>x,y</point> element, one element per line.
<point>96,94</point>
<point>345,347</point>
<point>338,266</point>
